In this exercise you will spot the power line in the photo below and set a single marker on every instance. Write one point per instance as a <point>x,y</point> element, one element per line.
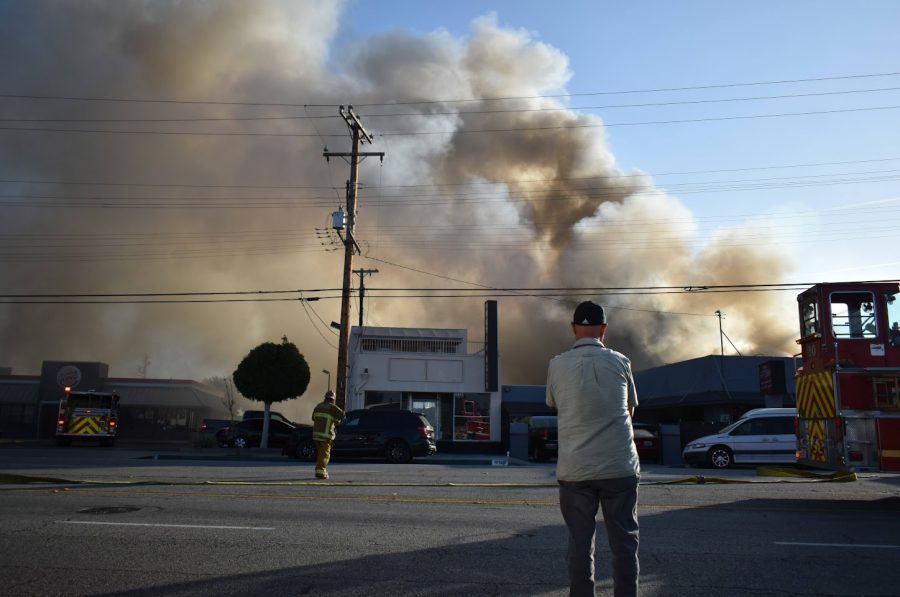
<point>631,91</point>
<point>641,123</point>
<point>566,297</point>
<point>163,185</point>
<point>307,309</point>
<point>442,101</point>
<point>612,106</point>
<point>301,291</point>
<point>111,295</point>
<point>420,199</point>
<point>79,248</point>
<point>69,239</point>
<point>537,292</point>
<point>292,238</point>
<point>446,184</point>
<point>147,301</point>
<point>544,109</point>
<point>461,131</point>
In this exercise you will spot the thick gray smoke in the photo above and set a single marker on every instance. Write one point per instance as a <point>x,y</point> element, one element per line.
<point>543,207</point>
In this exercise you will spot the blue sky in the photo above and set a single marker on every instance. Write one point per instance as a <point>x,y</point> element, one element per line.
<point>627,46</point>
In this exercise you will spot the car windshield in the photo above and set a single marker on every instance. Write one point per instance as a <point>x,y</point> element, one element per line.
<point>728,428</point>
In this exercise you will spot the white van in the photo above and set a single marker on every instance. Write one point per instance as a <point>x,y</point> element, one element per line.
<point>760,436</point>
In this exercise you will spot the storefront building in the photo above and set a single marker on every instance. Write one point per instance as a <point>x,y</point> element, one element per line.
<point>428,370</point>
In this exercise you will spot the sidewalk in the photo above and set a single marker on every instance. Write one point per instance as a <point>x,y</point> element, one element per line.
<point>180,450</point>
<point>275,455</point>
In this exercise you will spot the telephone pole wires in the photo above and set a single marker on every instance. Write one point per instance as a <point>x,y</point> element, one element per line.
<point>359,136</point>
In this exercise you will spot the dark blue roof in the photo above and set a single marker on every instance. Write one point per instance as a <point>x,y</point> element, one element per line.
<point>705,380</point>
<point>531,394</point>
<point>708,375</point>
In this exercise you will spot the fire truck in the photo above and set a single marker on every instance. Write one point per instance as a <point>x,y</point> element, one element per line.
<point>87,416</point>
<point>848,387</point>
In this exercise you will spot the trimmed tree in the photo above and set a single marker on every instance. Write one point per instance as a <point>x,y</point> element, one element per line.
<point>272,373</point>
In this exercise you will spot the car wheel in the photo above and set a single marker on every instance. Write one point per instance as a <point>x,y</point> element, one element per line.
<point>240,442</point>
<point>720,457</point>
<point>306,450</point>
<point>398,452</point>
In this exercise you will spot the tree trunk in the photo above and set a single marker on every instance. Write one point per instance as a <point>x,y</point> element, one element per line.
<point>264,441</point>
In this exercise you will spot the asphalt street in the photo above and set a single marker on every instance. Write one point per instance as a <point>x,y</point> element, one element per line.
<point>92,521</point>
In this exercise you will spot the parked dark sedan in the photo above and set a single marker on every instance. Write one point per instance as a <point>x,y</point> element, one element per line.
<point>647,443</point>
<point>248,434</point>
<point>211,426</point>
<point>397,435</point>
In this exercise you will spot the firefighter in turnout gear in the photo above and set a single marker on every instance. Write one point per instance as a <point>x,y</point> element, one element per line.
<point>325,416</point>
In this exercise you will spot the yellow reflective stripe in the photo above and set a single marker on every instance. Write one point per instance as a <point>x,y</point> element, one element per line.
<point>890,453</point>
<point>815,396</point>
<point>85,426</point>
<point>329,425</point>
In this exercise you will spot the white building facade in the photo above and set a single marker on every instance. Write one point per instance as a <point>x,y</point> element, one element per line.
<point>426,370</point>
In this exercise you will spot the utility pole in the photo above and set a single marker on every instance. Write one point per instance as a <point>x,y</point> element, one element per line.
<point>359,136</point>
<point>142,368</point>
<point>719,314</point>
<point>362,289</point>
<point>721,336</point>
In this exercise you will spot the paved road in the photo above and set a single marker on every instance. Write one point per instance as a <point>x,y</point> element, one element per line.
<point>114,522</point>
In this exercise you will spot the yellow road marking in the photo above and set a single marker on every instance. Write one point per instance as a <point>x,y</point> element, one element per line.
<point>324,497</point>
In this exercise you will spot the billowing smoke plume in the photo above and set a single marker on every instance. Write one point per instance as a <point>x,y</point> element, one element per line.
<point>536,202</point>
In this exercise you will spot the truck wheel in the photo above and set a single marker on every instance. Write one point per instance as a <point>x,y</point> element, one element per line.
<point>306,451</point>
<point>107,443</point>
<point>720,457</point>
<point>398,452</point>
<point>240,442</point>
<point>63,442</point>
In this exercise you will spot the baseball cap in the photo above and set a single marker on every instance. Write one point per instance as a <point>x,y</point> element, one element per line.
<point>589,313</point>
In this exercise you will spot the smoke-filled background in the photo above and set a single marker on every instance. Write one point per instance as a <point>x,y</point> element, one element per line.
<point>477,198</point>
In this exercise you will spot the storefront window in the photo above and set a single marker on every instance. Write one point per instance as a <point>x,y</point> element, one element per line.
<point>16,414</point>
<point>383,400</point>
<point>472,417</point>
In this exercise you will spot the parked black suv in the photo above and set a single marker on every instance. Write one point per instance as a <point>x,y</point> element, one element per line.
<point>397,435</point>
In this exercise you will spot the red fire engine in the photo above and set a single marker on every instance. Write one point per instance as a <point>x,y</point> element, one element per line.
<point>848,388</point>
<point>87,416</point>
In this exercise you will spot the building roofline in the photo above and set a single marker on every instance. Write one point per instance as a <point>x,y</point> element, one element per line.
<point>21,378</point>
